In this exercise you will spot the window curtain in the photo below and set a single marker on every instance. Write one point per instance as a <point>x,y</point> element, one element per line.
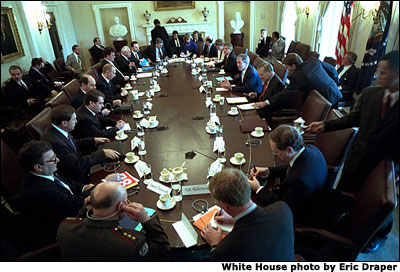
<point>298,21</point>
<point>322,8</point>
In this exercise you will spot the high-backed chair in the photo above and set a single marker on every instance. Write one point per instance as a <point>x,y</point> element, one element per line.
<point>330,60</point>
<point>239,50</point>
<point>252,57</point>
<point>96,70</point>
<point>39,124</point>
<point>369,208</point>
<point>313,54</point>
<point>258,61</point>
<point>292,47</point>
<point>302,50</point>
<point>93,73</point>
<point>53,74</point>
<point>281,71</point>
<point>71,88</point>
<point>60,99</point>
<point>59,63</point>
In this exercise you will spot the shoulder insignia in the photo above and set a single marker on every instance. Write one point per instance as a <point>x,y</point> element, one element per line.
<point>143,251</point>
<point>124,234</point>
<point>72,220</point>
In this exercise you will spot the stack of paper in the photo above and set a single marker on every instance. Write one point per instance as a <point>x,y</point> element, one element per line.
<point>236,100</point>
<point>249,106</point>
<point>143,75</point>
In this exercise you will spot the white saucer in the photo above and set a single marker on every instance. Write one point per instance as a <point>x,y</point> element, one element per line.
<point>162,180</point>
<point>234,161</point>
<point>128,88</point>
<point>215,100</point>
<point>122,138</point>
<point>233,114</point>
<point>138,116</point>
<point>163,207</point>
<point>209,132</point>
<point>254,134</point>
<point>222,73</point>
<point>157,90</point>
<point>164,72</point>
<point>135,159</point>
<point>155,125</point>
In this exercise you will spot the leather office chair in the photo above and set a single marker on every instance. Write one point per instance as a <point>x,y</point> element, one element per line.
<point>292,47</point>
<point>369,208</point>
<point>39,124</point>
<point>313,54</point>
<point>239,50</point>
<point>281,71</point>
<point>252,57</point>
<point>96,70</point>
<point>330,60</point>
<point>60,99</point>
<point>94,74</point>
<point>258,61</point>
<point>303,50</point>
<point>71,88</point>
<point>53,74</point>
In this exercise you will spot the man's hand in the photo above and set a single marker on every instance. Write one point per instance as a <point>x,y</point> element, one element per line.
<point>254,183</point>
<point>120,124</point>
<point>225,84</point>
<point>253,95</point>
<point>260,105</point>
<point>87,187</point>
<point>126,78</point>
<point>112,154</point>
<point>53,93</point>
<point>114,177</point>
<point>86,202</point>
<point>58,84</point>
<point>74,70</point>
<point>260,172</point>
<point>136,212</point>
<point>100,140</point>
<point>224,218</point>
<point>210,235</point>
<point>32,101</point>
<point>117,102</point>
<point>316,127</point>
<point>124,92</point>
<point>105,112</point>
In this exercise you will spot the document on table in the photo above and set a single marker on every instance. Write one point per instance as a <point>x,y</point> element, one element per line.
<point>249,106</point>
<point>186,232</point>
<point>143,75</point>
<point>223,78</point>
<point>221,89</point>
<point>236,100</point>
<point>126,127</point>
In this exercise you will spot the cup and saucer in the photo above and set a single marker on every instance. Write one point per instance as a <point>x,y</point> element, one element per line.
<point>128,87</point>
<point>234,111</point>
<point>157,89</point>
<point>222,72</point>
<point>138,115</point>
<point>121,136</point>
<point>258,132</point>
<point>211,129</point>
<point>164,71</point>
<point>153,122</point>
<point>216,98</point>
<point>131,158</point>
<point>166,202</point>
<point>238,159</point>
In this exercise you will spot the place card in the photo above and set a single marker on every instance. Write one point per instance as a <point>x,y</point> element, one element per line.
<point>215,119</point>
<point>200,78</point>
<point>140,166</point>
<point>126,127</point>
<point>144,123</point>
<point>135,142</point>
<point>219,144</point>
<point>218,89</point>
<point>215,168</point>
<point>186,232</point>
<point>202,89</point>
<point>208,102</point>
<point>144,75</point>
<point>158,188</point>
<point>140,93</point>
<point>200,189</point>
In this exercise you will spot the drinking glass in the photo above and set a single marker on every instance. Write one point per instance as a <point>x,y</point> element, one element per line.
<point>213,110</point>
<point>142,147</point>
<point>140,129</point>
<point>148,94</point>
<point>176,190</point>
<point>148,176</point>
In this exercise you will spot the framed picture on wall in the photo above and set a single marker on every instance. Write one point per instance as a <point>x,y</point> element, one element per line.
<point>171,5</point>
<point>11,46</point>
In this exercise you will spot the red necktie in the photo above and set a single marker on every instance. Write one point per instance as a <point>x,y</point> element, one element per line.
<point>263,92</point>
<point>385,106</point>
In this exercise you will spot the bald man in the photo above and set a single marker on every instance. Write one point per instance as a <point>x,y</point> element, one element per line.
<point>79,238</point>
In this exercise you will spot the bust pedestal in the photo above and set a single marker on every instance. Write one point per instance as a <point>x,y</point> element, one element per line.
<point>119,44</point>
<point>237,39</point>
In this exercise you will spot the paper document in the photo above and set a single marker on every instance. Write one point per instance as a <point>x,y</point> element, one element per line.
<point>223,78</point>
<point>140,166</point>
<point>126,127</point>
<point>186,232</point>
<point>236,100</point>
<point>144,62</point>
<point>249,106</point>
<point>221,89</point>
<point>143,75</point>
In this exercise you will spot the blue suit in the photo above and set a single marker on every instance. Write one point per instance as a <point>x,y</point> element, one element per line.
<point>191,47</point>
<point>251,81</point>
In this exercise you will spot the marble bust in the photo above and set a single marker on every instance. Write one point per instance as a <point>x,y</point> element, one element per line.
<point>118,31</point>
<point>237,24</point>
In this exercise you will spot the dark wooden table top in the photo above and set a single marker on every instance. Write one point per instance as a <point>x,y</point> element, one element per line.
<point>167,148</point>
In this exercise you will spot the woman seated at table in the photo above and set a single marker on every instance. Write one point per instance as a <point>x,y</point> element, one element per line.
<point>188,47</point>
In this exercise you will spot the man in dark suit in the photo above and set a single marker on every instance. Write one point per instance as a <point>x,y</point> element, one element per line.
<point>126,66</point>
<point>247,80</point>
<point>198,41</point>
<point>79,237</point>
<point>175,44</point>
<point>97,50</point>
<point>38,72</point>
<point>107,87</point>
<point>136,55</point>
<point>161,33</point>
<point>109,56</point>
<point>91,123</point>
<point>272,86</point>
<point>348,77</point>
<point>258,234</point>
<point>209,51</point>
<point>87,83</point>
<point>301,180</point>
<point>376,113</point>
<point>23,92</point>
<point>156,52</point>
<point>264,44</point>
<point>229,63</point>
<point>72,163</point>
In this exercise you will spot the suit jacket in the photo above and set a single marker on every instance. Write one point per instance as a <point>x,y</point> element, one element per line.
<point>42,79</point>
<point>199,45</point>
<point>251,81</point>
<point>174,49</point>
<point>123,65</point>
<point>191,47</point>
<point>211,52</point>
<point>299,187</point>
<point>229,64</point>
<point>89,126</point>
<point>78,99</point>
<point>262,235</point>
<point>78,240</point>
<point>118,79</point>
<point>263,47</point>
<point>136,60</point>
<point>151,54</point>
<point>97,53</point>
<point>44,204</point>
<point>160,32</point>
<point>73,63</point>
<point>72,163</point>
<point>348,81</point>
<point>377,139</point>
<point>109,90</point>
<point>278,51</point>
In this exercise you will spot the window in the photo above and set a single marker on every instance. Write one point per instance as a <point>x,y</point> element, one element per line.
<point>288,27</point>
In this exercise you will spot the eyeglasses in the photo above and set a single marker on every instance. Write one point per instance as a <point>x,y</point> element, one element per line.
<point>53,159</point>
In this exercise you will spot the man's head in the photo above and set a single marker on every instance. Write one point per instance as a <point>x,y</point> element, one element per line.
<point>175,34</point>
<point>16,73</point>
<point>285,142</point>
<point>209,40</point>
<point>64,117</point>
<point>156,22</point>
<point>291,61</point>
<point>36,62</point>
<point>263,32</point>
<point>228,47</point>
<point>186,38</point>
<point>230,188</point>
<point>107,199</point>
<point>97,41</point>
<point>94,100</point>
<point>349,58</point>
<point>275,36</point>
<point>388,71</point>
<point>87,82</point>
<point>76,49</point>
<point>38,157</point>
<point>219,44</point>
<point>242,62</point>
<point>126,51</point>
<point>135,46</point>
<point>159,43</point>
<point>109,71</point>
<point>109,53</point>
<point>265,71</point>
<point>195,35</point>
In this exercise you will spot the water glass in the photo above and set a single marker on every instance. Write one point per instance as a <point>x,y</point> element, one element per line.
<point>148,94</point>
<point>176,190</point>
<point>220,129</point>
<point>140,129</point>
<point>148,176</point>
<point>213,110</point>
<point>142,147</point>
<point>221,155</point>
<point>145,109</point>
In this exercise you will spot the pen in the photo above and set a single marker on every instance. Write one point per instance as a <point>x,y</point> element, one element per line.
<point>220,212</point>
<point>254,168</point>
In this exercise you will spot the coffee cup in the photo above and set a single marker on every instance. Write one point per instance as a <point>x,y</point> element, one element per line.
<point>222,71</point>
<point>177,171</point>
<point>165,174</point>
<point>174,56</point>
<point>234,110</point>
<point>258,130</point>
<point>222,100</point>
<point>217,96</point>
<point>211,127</point>
<point>140,70</point>
<point>128,85</point>
<point>120,134</point>
<point>152,120</point>
<point>239,156</point>
<point>130,156</point>
<point>165,199</point>
<point>138,113</point>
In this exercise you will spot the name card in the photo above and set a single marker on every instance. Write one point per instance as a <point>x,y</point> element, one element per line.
<point>200,189</point>
<point>202,89</point>
<point>158,188</point>
<point>200,78</point>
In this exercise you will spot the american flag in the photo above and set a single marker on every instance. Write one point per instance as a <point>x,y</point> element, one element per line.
<point>344,32</point>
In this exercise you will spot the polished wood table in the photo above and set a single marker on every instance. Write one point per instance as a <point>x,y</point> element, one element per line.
<point>180,111</point>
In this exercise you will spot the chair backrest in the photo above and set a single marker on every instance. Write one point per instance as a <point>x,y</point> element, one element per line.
<point>313,54</point>
<point>330,60</point>
<point>93,73</point>
<point>373,203</point>
<point>281,71</point>
<point>39,124</point>
<point>143,48</point>
<point>239,50</point>
<point>252,57</point>
<point>302,50</point>
<point>60,99</point>
<point>59,63</point>
<point>71,88</point>
<point>292,47</point>
<point>258,61</point>
<point>12,173</point>
<point>315,108</point>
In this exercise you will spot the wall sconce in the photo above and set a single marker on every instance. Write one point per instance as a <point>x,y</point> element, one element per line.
<point>305,10</point>
<point>44,21</point>
<point>369,9</point>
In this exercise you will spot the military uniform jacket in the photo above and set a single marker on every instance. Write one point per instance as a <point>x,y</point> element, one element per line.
<point>104,240</point>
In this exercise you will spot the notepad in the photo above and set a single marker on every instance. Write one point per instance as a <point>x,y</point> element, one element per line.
<point>249,106</point>
<point>144,62</point>
<point>143,75</point>
<point>201,220</point>
<point>236,100</point>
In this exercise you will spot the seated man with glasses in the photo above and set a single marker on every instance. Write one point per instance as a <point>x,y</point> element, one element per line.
<point>79,238</point>
<point>46,198</point>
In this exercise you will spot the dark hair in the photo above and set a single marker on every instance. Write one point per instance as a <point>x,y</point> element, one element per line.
<point>133,43</point>
<point>107,51</point>
<point>292,58</point>
<point>230,46</point>
<point>218,42</point>
<point>14,67</point>
<point>156,22</point>
<point>74,47</point>
<point>84,79</point>
<point>31,153</point>
<point>196,32</point>
<point>92,95</point>
<point>36,61</point>
<point>285,136</point>
<point>159,40</point>
<point>276,34</point>
<point>209,39</point>
<point>95,39</point>
<point>61,113</point>
<point>393,59</point>
<point>352,57</point>
<point>174,32</point>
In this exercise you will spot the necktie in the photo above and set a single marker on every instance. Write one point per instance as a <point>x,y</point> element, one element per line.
<point>226,60</point>
<point>263,92</point>
<point>116,70</point>
<point>61,183</point>
<point>136,55</point>
<point>288,170</point>
<point>160,53</point>
<point>385,106</point>
<point>177,43</point>
<point>72,142</point>
<point>79,62</point>
<point>95,115</point>
<point>24,86</point>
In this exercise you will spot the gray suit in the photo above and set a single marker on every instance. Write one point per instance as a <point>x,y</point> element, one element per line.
<point>73,63</point>
<point>278,51</point>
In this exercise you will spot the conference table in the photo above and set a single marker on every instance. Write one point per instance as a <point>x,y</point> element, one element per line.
<point>181,108</point>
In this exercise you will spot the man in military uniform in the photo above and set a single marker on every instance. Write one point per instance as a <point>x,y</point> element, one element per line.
<point>98,237</point>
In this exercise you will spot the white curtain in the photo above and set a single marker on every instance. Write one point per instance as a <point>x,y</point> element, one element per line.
<point>330,25</point>
<point>322,8</point>
<point>288,26</point>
